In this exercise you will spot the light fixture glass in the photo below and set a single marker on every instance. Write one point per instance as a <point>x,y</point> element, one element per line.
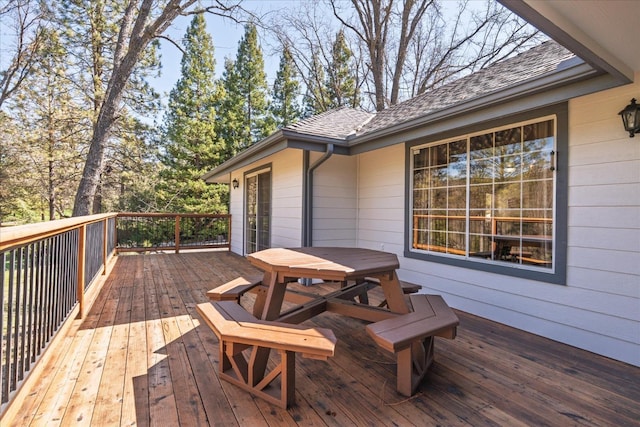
<point>631,118</point>
<point>235,183</point>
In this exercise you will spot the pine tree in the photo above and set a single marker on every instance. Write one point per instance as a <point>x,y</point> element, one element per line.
<point>233,126</point>
<point>113,86</point>
<point>316,98</point>
<point>284,104</point>
<point>246,95</point>
<point>341,84</point>
<point>192,145</point>
<point>53,130</point>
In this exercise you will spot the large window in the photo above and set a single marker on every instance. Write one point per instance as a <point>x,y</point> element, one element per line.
<point>487,197</point>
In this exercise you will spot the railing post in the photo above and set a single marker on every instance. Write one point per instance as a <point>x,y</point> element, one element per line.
<point>229,232</point>
<point>82,232</point>
<point>177,234</point>
<point>105,245</point>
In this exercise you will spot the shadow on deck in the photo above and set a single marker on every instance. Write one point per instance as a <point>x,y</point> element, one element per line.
<point>141,357</point>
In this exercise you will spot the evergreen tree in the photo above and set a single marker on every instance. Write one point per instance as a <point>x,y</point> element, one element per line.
<point>93,36</point>
<point>284,104</point>
<point>233,127</point>
<point>341,84</point>
<point>246,97</point>
<point>316,98</point>
<point>191,144</point>
<point>53,128</point>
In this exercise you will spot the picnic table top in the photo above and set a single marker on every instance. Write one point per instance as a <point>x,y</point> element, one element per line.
<point>336,263</point>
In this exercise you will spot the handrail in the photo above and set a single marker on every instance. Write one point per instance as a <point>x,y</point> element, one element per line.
<point>27,233</point>
<point>141,232</point>
<point>47,269</point>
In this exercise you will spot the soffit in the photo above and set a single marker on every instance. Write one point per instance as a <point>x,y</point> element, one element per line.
<point>600,32</point>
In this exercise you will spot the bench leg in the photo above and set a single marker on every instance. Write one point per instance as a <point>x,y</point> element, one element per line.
<point>413,363</point>
<point>235,369</point>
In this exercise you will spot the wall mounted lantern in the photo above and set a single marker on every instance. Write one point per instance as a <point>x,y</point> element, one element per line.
<point>235,183</point>
<point>631,118</point>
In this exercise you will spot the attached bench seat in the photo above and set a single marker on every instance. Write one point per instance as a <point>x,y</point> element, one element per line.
<point>233,290</point>
<point>407,288</point>
<point>239,332</point>
<point>411,336</point>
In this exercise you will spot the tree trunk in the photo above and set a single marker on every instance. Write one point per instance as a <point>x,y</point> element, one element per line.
<point>133,39</point>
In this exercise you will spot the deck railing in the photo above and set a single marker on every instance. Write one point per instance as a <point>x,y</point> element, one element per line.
<point>47,268</point>
<point>162,232</point>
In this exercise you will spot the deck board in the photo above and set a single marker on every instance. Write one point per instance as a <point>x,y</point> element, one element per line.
<point>142,357</point>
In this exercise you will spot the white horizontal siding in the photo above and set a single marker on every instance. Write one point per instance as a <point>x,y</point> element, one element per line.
<point>610,282</point>
<point>334,201</point>
<point>617,239</point>
<point>381,199</point>
<point>286,201</point>
<point>599,308</point>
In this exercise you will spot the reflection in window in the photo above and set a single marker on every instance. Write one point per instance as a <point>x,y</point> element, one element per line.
<point>488,196</point>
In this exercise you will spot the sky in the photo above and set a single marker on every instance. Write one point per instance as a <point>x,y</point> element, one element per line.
<point>226,35</point>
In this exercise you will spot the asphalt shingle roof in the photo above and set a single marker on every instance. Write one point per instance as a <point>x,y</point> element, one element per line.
<point>528,65</point>
<point>344,122</point>
<point>338,123</point>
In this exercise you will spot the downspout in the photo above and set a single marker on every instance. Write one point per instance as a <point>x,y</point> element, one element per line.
<point>307,224</point>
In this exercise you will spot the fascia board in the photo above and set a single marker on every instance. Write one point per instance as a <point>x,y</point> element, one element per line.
<point>481,116</point>
<point>579,71</point>
<point>220,174</point>
<point>542,15</point>
<point>278,141</point>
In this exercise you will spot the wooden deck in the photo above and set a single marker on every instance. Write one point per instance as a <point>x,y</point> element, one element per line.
<point>141,357</point>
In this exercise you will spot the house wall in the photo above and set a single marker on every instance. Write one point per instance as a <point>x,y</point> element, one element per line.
<point>599,307</point>
<point>334,201</point>
<point>286,201</point>
<point>381,199</point>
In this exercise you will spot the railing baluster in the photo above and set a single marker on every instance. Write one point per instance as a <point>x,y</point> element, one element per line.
<point>40,295</point>
<point>46,273</point>
<point>3,374</point>
<point>177,232</point>
<point>9,346</point>
<point>32,287</point>
<point>24,260</point>
<point>48,287</point>
<point>81,267</point>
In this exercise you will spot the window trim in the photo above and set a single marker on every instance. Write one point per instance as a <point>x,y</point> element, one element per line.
<point>556,275</point>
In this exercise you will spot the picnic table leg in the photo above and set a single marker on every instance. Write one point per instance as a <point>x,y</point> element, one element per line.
<point>267,307</point>
<point>261,295</point>
<point>393,293</point>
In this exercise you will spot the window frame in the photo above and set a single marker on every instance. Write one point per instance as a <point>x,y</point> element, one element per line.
<point>556,275</point>
<point>249,174</point>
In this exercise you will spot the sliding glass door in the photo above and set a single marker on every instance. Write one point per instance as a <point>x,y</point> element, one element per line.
<point>258,211</point>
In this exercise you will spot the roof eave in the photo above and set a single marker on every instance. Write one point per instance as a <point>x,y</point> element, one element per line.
<point>571,73</point>
<point>278,141</point>
<point>541,15</point>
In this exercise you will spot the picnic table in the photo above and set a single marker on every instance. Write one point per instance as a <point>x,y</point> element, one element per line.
<point>405,329</point>
<point>349,266</point>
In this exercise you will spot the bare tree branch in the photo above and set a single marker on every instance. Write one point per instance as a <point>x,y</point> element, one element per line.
<point>138,30</point>
<point>29,35</point>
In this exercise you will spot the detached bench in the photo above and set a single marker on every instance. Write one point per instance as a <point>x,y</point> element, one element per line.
<point>233,290</point>
<point>239,331</point>
<point>411,336</point>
